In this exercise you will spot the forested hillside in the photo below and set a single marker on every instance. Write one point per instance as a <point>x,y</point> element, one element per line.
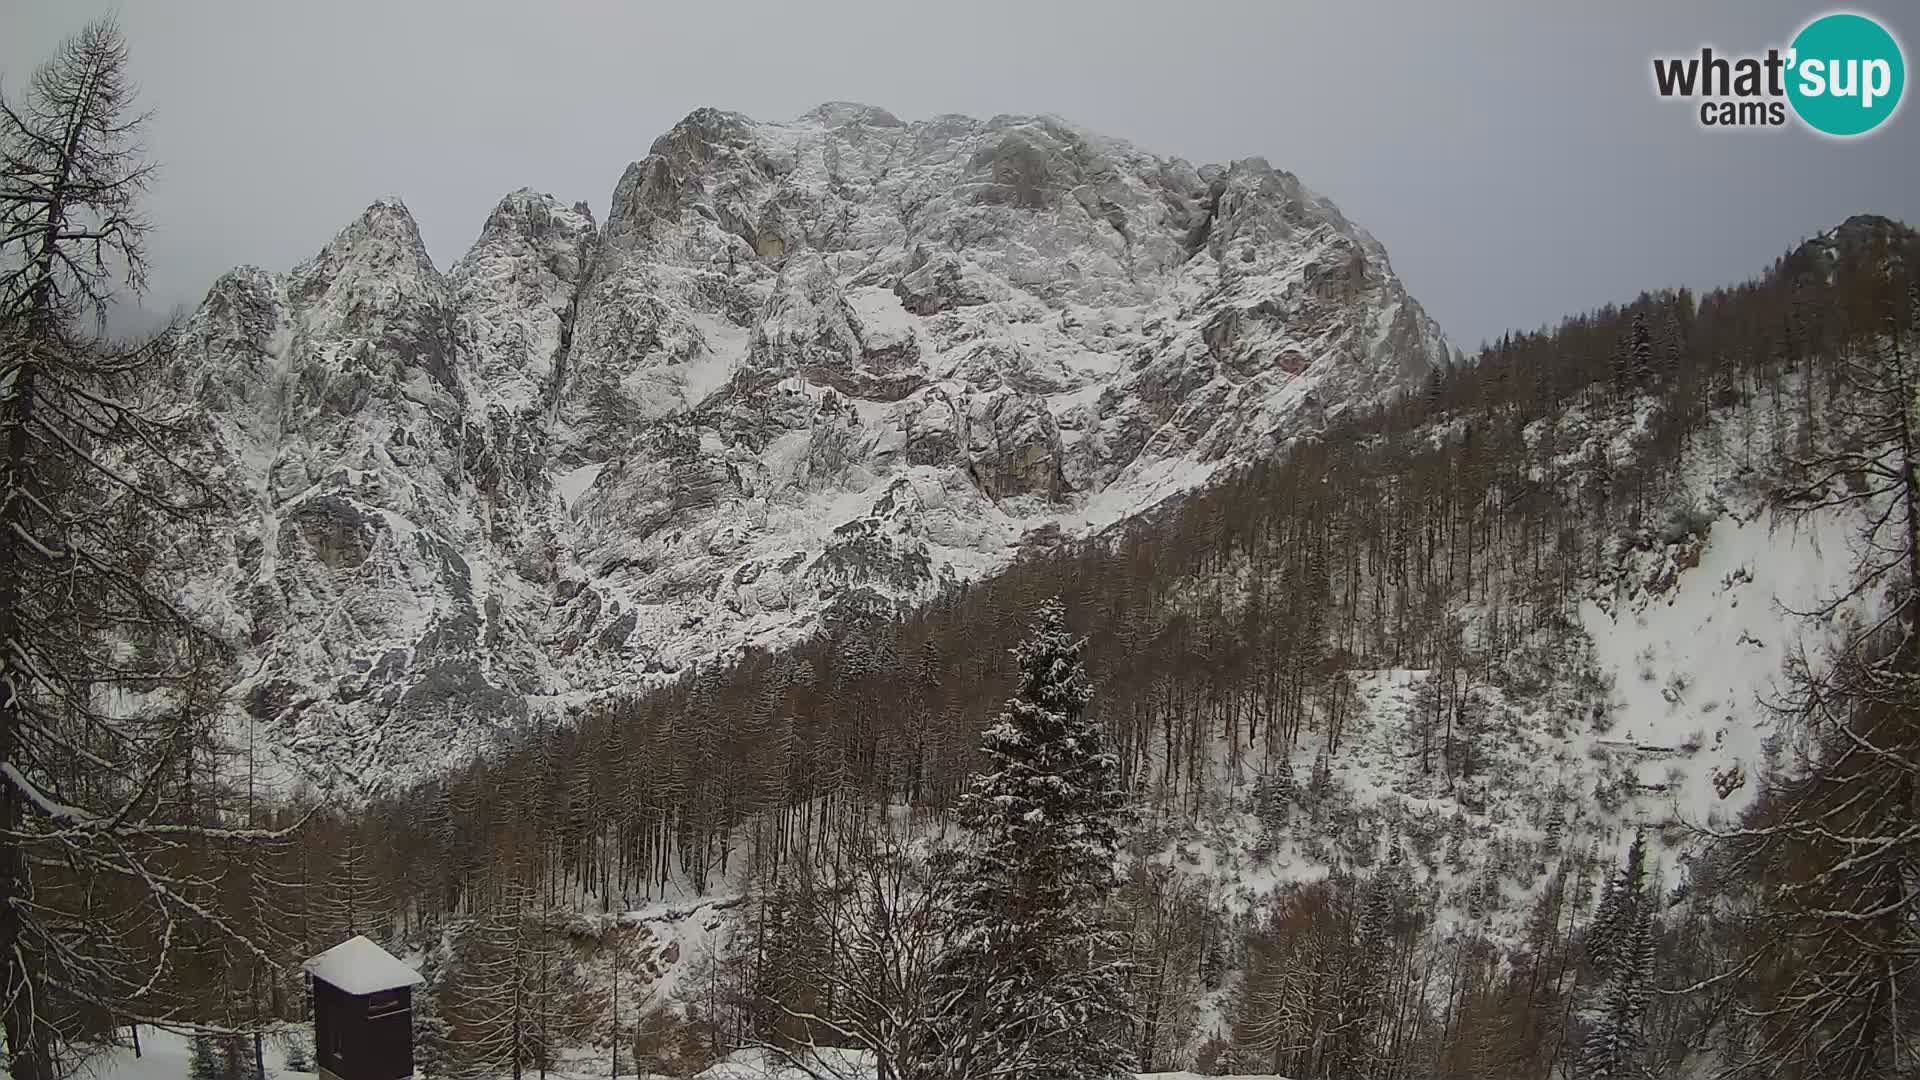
<point>1348,670</point>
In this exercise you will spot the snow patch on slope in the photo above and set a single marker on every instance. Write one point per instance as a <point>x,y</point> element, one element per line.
<point>574,482</point>
<point>1695,665</point>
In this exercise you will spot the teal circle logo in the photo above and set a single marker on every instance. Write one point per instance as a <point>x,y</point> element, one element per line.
<point>1846,76</point>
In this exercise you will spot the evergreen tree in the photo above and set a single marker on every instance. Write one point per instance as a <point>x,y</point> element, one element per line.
<point>1623,958</point>
<point>300,1052</point>
<point>1320,781</point>
<point>1367,978</point>
<point>1273,796</point>
<point>1675,345</point>
<point>203,1061</point>
<point>1033,984</point>
<point>1621,899</point>
<point>1640,349</point>
<point>433,1034</point>
<point>1603,931</point>
<point>1616,1043</point>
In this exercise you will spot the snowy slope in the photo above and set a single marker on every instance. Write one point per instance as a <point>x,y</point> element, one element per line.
<point>1653,714</point>
<point>1693,665</point>
<point>803,369</point>
<point>166,1055</point>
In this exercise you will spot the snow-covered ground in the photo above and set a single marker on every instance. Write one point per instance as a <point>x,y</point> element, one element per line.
<point>1694,666</point>
<point>164,1055</point>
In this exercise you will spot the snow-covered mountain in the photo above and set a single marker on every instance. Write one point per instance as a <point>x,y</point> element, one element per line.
<point>802,370</point>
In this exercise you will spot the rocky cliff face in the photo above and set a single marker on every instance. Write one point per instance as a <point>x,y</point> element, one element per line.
<point>803,369</point>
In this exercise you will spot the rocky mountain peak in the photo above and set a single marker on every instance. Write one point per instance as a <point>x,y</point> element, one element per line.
<point>804,371</point>
<point>540,222</point>
<point>382,246</point>
<point>834,114</point>
<point>1861,238</point>
<point>514,292</point>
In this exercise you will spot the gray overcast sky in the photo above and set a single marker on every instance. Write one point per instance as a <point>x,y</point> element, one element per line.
<point>1512,156</point>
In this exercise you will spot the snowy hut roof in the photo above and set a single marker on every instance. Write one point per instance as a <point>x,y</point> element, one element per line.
<point>358,966</point>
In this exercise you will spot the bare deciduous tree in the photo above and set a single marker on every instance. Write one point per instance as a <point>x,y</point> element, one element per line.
<point>100,886</point>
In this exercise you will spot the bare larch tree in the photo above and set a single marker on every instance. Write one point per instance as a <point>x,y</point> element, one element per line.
<point>103,879</point>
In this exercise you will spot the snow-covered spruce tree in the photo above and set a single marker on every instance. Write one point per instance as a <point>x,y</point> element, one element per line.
<point>1624,961</point>
<point>1616,1041</point>
<point>1620,896</point>
<point>97,881</point>
<point>1370,974</point>
<point>1033,984</point>
<point>1640,349</point>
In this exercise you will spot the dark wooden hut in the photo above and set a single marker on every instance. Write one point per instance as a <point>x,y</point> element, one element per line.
<point>362,1012</point>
